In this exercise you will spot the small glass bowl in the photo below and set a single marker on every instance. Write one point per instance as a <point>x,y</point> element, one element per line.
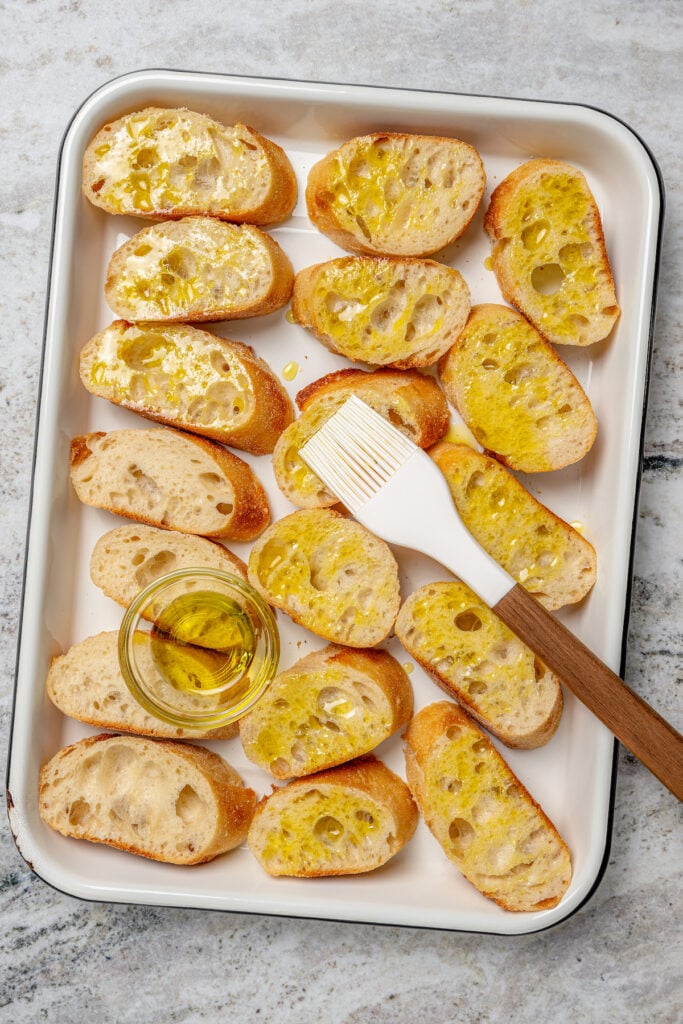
<point>198,647</point>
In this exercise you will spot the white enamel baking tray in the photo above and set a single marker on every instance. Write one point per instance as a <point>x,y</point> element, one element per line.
<point>572,776</point>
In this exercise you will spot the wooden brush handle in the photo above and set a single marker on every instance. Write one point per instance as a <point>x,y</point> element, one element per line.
<point>638,726</point>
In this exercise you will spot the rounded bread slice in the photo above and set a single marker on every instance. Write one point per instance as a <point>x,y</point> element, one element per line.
<point>330,575</point>
<point>395,194</point>
<point>161,162</point>
<point>190,379</point>
<point>331,706</point>
<point>168,801</point>
<point>484,819</point>
<point>86,683</point>
<point>382,310</point>
<point>549,254</point>
<point>198,269</point>
<point>472,655</point>
<point>546,555</point>
<point>342,821</point>
<point>413,402</point>
<point>520,400</point>
<point>169,479</point>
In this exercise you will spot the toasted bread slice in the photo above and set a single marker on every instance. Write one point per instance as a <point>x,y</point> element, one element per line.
<point>331,706</point>
<point>546,555</point>
<point>169,479</point>
<point>190,379</point>
<point>395,194</point>
<point>168,801</point>
<point>481,814</point>
<point>342,821</point>
<point>549,253</point>
<point>198,269</point>
<point>160,163</point>
<point>382,310</point>
<point>412,401</point>
<point>329,574</point>
<point>129,558</point>
<point>475,658</point>
<point>520,400</point>
<point>86,683</point>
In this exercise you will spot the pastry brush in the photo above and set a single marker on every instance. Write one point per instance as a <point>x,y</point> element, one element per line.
<point>394,489</point>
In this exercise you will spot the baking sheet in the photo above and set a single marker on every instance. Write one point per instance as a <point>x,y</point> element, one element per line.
<point>571,776</point>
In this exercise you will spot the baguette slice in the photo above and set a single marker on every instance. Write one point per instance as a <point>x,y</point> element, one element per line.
<point>413,402</point>
<point>395,194</point>
<point>329,574</point>
<point>342,821</point>
<point>520,400</point>
<point>172,163</point>
<point>331,706</point>
<point>129,558</point>
<point>546,555</point>
<point>382,310</point>
<point>481,814</point>
<point>549,253</point>
<point>476,659</point>
<point>86,683</point>
<point>169,479</point>
<point>198,269</point>
<point>190,379</point>
<point>168,801</point>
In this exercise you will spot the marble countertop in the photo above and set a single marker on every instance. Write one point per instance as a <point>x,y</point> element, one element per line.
<point>619,957</point>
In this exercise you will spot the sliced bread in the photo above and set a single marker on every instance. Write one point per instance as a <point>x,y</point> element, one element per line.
<point>520,400</point>
<point>198,269</point>
<point>160,162</point>
<point>412,401</point>
<point>476,659</point>
<point>546,555</point>
<point>169,479</point>
<point>549,252</point>
<point>342,821</point>
<point>331,706</point>
<point>329,574</point>
<point>484,819</point>
<point>168,801</point>
<point>190,379</point>
<point>382,310</point>
<point>395,194</point>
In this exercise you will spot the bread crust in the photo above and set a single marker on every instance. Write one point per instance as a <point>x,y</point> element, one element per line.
<point>113,188</point>
<point>537,225</point>
<point>271,408</point>
<point>233,803</point>
<point>247,517</point>
<point>499,838</point>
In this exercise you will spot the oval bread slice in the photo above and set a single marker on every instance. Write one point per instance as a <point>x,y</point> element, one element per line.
<point>331,706</point>
<point>484,819</point>
<point>549,253</point>
<point>382,310</point>
<point>169,479</point>
<point>160,162</point>
<point>198,269</point>
<point>520,400</point>
<point>413,402</point>
<point>127,559</point>
<point>168,801</point>
<point>86,683</point>
<point>342,821</point>
<point>476,659</point>
<point>329,574</point>
<point>546,555</point>
<point>395,194</point>
<point>190,379</point>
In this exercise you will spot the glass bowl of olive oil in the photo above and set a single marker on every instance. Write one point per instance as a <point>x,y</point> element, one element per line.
<point>198,647</point>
